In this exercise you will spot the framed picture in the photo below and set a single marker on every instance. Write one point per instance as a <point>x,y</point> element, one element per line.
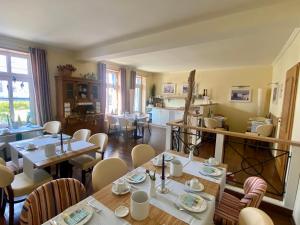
<point>275,94</point>
<point>240,94</point>
<point>185,87</point>
<point>169,89</point>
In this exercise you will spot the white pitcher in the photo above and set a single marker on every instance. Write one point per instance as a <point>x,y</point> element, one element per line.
<point>176,168</point>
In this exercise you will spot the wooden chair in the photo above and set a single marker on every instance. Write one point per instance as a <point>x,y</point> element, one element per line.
<point>52,127</point>
<point>54,197</point>
<point>230,206</point>
<point>82,135</point>
<point>17,186</point>
<point>87,162</point>
<point>254,216</point>
<point>144,123</point>
<point>141,154</point>
<point>107,171</point>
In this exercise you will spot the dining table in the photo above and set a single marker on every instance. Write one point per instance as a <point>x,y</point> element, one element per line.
<point>163,209</point>
<point>37,159</point>
<point>18,133</point>
<point>134,118</point>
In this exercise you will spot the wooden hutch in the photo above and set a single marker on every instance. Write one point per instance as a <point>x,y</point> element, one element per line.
<point>78,104</point>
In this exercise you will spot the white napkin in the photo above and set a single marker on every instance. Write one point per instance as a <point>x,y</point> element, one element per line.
<point>106,216</point>
<point>193,168</point>
<point>166,202</point>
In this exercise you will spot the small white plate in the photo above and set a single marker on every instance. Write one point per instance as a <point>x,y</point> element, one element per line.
<point>168,157</point>
<point>192,202</point>
<point>125,191</point>
<point>136,178</point>
<point>210,171</point>
<point>193,189</point>
<point>71,210</point>
<point>121,211</point>
<point>214,163</point>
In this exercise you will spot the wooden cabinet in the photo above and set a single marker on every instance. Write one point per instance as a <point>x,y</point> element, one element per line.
<point>78,104</point>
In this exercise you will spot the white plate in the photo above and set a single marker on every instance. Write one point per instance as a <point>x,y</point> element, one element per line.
<point>125,191</point>
<point>168,157</point>
<point>210,171</point>
<point>192,202</point>
<point>136,178</point>
<point>89,210</point>
<point>198,189</point>
<point>121,211</point>
<point>27,148</point>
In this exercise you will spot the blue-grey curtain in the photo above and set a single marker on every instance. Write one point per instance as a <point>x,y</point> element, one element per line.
<point>124,104</point>
<point>101,70</point>
<point>41,84</point>
<point>132,79</point>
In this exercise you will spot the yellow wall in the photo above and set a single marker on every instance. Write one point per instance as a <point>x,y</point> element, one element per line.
<point>218,83</point>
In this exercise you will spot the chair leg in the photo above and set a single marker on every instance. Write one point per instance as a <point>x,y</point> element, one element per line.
<point>11,212</point>
<point>3,202</point>
<point>149,129</point>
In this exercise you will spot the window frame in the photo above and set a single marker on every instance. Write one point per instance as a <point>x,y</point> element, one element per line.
<point>140,87</point>
<point>116,87</point>
<point>9,76</point>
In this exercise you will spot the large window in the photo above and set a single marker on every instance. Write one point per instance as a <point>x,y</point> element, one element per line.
<point>112,92</point>
<point>16,87</point>
<point>139,95</point>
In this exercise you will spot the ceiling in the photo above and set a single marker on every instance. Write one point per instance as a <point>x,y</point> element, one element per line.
<point>131,32</point>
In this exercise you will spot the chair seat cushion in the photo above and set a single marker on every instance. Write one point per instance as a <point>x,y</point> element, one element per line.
<point>23,185</point>
<point>84,162</point>
<point>228,208</point>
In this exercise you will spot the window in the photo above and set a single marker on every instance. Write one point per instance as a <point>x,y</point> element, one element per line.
<point>16,87</point>
<point>139,95</point>
<point>112,92</point>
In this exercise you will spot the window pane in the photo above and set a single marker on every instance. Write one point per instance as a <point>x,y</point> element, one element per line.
<point>4,112</point>
<point>137,99</point>
<point>20,89</point>
<point>138,80</point>
<point>3,89</point>
<point>19,65</point>
<point>3,65</point>
<point>21,109</point>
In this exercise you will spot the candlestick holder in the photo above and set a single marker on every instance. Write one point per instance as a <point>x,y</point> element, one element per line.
<point>163,189</point>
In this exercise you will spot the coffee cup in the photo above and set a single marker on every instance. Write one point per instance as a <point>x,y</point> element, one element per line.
<point>176,168</point>
<point>120,186</point>
<point>139,205</point>
<point>211,160</point>
<point>194,183</point>
<point>30,146</point>
<point>50,150</point>
<point>158,160</point>
<point>54,135</point>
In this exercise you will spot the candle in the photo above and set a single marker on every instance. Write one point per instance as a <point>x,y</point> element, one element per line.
<point>163,167</point>
<point>61,142</point>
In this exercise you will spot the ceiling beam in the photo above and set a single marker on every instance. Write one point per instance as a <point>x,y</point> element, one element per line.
<point>221,28</point>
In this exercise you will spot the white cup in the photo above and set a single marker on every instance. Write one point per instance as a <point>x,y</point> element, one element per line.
<point>120,186</point>
<point>194,183</point>
<point>54,135</point>
<point>211,160</point>
<point>50,150</point>
<point>139,205</point>
<point>176,168</point>
<point>158,160</point>
<point>30,146</point>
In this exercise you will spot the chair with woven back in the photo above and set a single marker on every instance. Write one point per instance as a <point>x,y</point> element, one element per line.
<point>229,207</point>
<point>55,196</point>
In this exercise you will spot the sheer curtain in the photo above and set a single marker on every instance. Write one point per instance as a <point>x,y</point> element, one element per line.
<point>124,105</point>
<point>41,84</point>
<point>101,69</point>
<point>132,90</point>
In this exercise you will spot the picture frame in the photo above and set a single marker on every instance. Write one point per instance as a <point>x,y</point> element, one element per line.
<point>275,93</point>
<point>240,94</point>
<point>169,89</point>
<point>184,89</point>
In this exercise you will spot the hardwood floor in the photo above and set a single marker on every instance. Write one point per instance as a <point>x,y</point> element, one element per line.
<point>120,147</point>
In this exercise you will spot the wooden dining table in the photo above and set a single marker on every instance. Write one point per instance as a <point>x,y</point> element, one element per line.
<point>109,201</point>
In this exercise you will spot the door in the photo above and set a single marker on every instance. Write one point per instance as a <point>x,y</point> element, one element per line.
<point>287,115</point>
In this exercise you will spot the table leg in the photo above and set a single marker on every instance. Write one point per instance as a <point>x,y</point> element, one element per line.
<point>65,169</point>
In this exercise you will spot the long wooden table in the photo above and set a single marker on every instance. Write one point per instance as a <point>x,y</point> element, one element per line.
<point>156,215</point>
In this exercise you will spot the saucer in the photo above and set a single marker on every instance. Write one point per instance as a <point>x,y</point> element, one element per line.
<point>125,191</point>
<point>121,211</point>
<point>194,189</point>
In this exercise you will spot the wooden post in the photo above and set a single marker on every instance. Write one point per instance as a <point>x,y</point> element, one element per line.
<point>188,100</point>
<point>219,147</point>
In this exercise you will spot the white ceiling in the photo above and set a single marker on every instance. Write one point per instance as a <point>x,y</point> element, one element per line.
<point>156,35</point>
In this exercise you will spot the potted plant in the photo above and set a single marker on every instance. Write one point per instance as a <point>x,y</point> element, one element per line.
<point>66,70</point>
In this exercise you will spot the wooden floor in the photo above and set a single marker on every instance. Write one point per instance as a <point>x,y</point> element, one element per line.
<point>121,147</point>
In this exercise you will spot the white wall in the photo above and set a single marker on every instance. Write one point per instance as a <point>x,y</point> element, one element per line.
<point>296,213</point>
